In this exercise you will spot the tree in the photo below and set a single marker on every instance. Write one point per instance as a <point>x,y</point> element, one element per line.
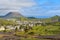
<point>5,29</point>
<point>16,29</point>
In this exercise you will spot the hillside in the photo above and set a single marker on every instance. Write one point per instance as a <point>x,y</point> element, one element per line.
<point>55,18</point>
<point>12,15</point>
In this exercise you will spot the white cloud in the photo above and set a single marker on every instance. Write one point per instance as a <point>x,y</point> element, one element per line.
<point>53,12</point>
<point>17,3</point>
<point>14,5</point>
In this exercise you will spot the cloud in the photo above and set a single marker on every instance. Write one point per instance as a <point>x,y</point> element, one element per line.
<point>14,5</point>
<point>53,12</point>
<point>17,3</point>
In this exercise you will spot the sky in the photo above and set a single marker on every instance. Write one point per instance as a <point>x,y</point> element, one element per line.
<point>34,8</point>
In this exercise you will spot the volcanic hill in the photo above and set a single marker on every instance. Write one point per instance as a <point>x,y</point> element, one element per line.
<point>12,15</point>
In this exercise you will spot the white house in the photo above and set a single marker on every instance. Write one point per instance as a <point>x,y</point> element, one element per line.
<point>17,26</point>
<point>2,28</point>
<point>11,19</point>
<point>10,27</point>
<point>31,25</point>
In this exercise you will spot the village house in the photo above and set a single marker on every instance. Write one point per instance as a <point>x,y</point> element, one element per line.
<point>24,23</point>
<point>18,27</point>
<point>11,19</point>
<point>2,28</point>
<point>10,27</point>
<point>18,22</point>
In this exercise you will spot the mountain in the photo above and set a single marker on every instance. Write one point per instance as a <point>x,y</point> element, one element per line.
<point>12,15</point>
<point>55,18</point>
<point>31,18</point>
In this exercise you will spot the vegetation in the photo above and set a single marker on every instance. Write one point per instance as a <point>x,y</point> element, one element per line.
<point>50,26</point>
<point>5,22</point>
